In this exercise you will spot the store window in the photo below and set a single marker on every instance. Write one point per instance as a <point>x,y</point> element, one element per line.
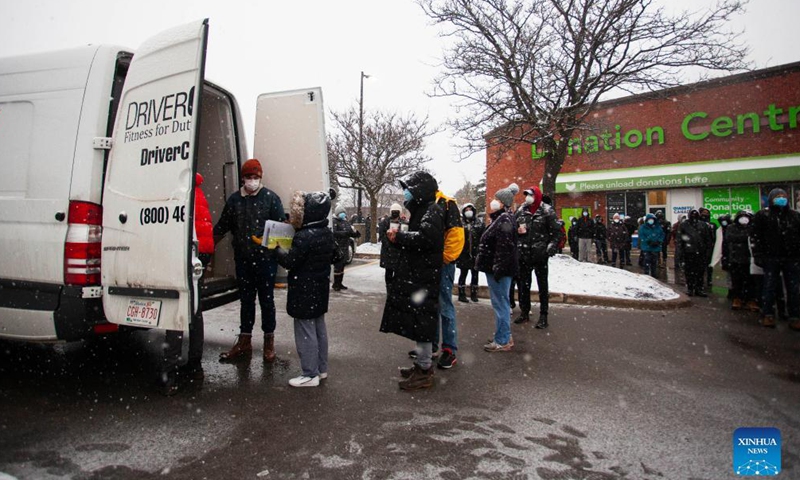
<point>657,201</point>
<point>730,201</point>
<point>631,204</point>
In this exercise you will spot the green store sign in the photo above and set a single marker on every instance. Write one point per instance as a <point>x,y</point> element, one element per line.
<point>729,201</point>
<point>693,128</point>
<point>638,179</point>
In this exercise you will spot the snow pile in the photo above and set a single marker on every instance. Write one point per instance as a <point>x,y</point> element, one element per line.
<point>369,248</point>
<point>567,275</point>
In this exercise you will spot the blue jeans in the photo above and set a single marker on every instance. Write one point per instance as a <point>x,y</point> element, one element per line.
<point>447,312</point>
<point>498,291</point>
<point>256,277</point>
<point>791,277</point>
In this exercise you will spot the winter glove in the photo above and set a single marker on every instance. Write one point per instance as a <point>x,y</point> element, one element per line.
<point>551,250</point>
<point>256,239</point>
<point>357,234</point>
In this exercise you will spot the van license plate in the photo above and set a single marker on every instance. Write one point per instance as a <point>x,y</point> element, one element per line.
<point>143,312</point>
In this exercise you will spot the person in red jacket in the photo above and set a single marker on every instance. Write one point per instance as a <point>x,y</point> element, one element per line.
<point>171,373</point>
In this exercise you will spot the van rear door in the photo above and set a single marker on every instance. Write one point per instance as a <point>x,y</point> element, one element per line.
<point>147,255</point>
<point>290,140</point>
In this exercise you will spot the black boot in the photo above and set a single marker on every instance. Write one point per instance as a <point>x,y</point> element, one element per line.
<point>542,321</point>
<point>523,318</point>
<point>462,294</point>
<point>473,293</point>
<point>337,281</point>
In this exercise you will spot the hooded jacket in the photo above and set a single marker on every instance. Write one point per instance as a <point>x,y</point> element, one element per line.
<point>585,225</point>
<point>695,236</point>
<point>651,237</point>
<point>618,235</point>
<point>736,241</point>
<point>412,299</point>
<point>473,230</point>
<point>776,232</point>
<point>309,260</point>
<point>542,232</point>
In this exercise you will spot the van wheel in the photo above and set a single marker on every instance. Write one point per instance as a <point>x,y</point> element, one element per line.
<point>351,252</point>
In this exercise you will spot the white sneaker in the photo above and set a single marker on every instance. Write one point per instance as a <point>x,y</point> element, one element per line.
<point>323,375</point>
<point>303,381</point>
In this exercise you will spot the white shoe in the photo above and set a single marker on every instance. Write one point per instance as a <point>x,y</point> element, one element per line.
<point>323,375</point>
<point>303,381</point>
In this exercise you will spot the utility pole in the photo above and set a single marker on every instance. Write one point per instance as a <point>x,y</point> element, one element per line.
<point>361,135</point>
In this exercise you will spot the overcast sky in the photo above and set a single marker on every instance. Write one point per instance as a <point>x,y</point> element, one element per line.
<point>266,46</point>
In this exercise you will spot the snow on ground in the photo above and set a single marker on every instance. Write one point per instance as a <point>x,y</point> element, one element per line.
<point>374,248</point>
<point>566,275</point>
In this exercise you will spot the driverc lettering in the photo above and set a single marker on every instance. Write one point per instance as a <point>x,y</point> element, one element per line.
<point>167,154</point>
<point>169,107</point>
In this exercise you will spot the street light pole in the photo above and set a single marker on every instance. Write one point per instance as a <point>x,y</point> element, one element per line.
<point>361,134</point>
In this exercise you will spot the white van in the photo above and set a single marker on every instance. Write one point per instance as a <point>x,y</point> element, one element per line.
<point>98,153</point>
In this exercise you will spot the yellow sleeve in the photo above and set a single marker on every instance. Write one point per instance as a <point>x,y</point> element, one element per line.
<point>453,244</point>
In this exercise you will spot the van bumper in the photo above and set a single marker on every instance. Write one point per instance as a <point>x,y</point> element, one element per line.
<point>77,315</point>
<point>46,312</point>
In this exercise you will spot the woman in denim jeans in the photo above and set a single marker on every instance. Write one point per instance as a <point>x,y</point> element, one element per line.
<point>498,258</point>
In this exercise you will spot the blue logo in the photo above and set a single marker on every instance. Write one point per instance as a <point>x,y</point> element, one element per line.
<point>757,452</point>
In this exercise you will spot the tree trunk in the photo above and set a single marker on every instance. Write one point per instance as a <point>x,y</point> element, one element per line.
<point>552,166</point>
<point>373,214</point>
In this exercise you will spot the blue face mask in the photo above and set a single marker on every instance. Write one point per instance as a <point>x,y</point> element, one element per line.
<point>342,215</point>
<point>407,195</point>
<point>651,221</point>
<point>781,201</point>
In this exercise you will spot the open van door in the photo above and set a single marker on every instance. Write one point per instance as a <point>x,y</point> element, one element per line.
<point>147,247</point>
<point>289,142</point>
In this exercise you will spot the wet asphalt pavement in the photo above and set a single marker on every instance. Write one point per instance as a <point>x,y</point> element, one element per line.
<point>602,394</point>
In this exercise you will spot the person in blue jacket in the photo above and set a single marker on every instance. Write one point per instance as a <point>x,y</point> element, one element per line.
<point>651,237</point>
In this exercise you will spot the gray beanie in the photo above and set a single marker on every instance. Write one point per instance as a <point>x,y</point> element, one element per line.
<point>339,209</point>
<point>506,195</point>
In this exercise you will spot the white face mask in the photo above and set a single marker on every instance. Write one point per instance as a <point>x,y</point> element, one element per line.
<point>744,221</point>
<point>251,185</point>
<point>495,205</point>
<point>528,199</point>
<point>468,214</point>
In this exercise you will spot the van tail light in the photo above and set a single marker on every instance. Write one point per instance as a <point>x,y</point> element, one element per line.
<point>82,248</point>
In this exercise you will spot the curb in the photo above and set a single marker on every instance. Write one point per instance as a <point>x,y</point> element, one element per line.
<point>682,301</point>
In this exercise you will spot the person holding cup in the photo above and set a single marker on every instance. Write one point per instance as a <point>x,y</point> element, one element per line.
<point>390,257</point>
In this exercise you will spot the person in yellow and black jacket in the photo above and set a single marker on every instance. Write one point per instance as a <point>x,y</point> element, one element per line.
<point>453,244</point>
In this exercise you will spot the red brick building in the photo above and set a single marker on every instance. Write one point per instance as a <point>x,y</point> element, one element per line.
<point>722,144</point>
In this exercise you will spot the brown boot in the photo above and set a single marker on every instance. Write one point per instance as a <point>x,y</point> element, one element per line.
<point>269,347</point>
<point>768,321</point>
<point>736,304</point>
<point>242,348</point>
<point>752,305</point>
<point>418,379</point>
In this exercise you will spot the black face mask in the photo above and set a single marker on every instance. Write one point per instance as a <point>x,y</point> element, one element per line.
<point>395,214</point>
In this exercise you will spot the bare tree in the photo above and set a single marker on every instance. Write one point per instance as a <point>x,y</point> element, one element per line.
<point>532,70</point>
<point>392,148</point>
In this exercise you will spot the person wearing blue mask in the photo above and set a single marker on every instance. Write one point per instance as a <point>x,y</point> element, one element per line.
<point>776,249</point>
<point>342,232</point>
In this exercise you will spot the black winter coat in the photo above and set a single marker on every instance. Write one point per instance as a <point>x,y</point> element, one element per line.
<point>736,244</point>
<point>696,237</point>
<point>245,216</point>
<point>776,233</point>
<point>472,239</point>
<point>599,232</point>
<point>412,300</point>
<point>618,236</point>
<point>309,260</point>
<point>542,233</point>
<point>390,257</point>
<point>342,232</point>
<point>497,253</point>
<point>585,227</point>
